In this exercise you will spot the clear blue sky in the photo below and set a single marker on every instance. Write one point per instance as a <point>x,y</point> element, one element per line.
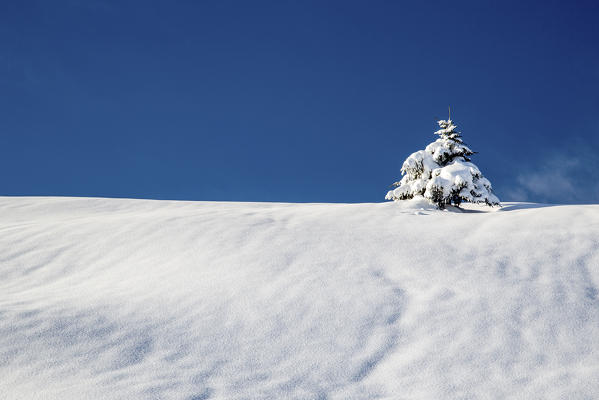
<point>315,101</point>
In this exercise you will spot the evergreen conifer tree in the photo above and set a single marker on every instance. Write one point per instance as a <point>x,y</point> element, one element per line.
<point>443,173</point>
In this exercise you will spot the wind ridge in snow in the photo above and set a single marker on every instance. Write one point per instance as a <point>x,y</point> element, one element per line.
<point>138,299</point>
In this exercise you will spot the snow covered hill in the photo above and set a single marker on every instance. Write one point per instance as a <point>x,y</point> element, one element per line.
<point>140,299</point>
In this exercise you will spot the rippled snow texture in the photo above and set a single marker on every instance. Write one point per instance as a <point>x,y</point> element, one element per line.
<point>140,299</point>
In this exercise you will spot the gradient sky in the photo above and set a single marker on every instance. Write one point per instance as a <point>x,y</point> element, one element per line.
<point>317,101</point>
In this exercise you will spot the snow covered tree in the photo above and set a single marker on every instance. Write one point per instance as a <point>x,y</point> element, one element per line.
<point>443,173</point>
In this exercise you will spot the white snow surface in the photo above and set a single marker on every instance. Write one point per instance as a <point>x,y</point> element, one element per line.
<point>142,299</point>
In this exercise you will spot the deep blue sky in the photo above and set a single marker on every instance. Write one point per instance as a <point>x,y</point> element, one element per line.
<point>294,100</point>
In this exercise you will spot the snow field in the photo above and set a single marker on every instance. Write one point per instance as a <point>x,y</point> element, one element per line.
<point>113,299</point>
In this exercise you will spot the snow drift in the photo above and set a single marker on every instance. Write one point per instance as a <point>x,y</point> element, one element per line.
<point>143,299</point>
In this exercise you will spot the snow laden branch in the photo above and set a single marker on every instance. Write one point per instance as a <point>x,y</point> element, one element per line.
<point>443,173</point>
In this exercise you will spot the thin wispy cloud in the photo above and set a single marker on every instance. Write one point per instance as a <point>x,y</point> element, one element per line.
<point>568,177</point>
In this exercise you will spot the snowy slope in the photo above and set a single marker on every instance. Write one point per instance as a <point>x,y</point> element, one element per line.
<point>139,299</point>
